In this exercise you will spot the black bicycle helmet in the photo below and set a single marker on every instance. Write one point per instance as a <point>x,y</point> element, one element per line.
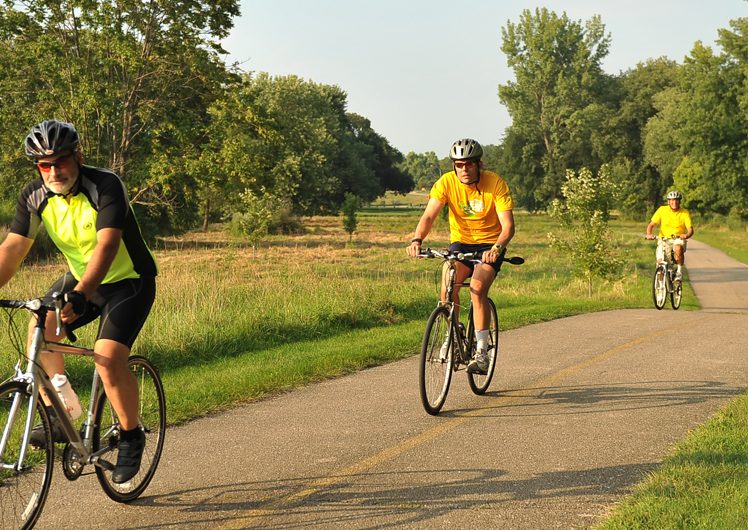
<point>51,137</point>
<point>466,149</point>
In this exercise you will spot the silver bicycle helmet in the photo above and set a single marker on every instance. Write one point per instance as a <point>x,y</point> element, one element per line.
<point>674,195</point>
<point>51,137</point>
<point>466,149</point>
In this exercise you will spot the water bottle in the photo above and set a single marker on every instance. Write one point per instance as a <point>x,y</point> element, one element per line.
<point>67,395</point>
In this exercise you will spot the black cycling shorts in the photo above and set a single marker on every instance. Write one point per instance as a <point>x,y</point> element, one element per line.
<point>123,307</point>
<point>464,247</point>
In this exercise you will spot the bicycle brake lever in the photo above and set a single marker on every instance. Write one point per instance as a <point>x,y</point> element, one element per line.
<point>57,299</point>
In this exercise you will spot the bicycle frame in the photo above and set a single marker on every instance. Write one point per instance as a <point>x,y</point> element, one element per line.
<point>39,381</point>
<point>454,331</point>
<point>667,261</point>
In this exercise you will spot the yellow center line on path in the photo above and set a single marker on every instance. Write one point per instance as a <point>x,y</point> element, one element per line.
<point>283,503</point>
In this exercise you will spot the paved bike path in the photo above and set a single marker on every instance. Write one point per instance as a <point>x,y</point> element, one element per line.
<point>581,409</point>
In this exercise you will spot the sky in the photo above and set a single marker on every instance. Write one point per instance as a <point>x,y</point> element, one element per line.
<point>426,72</point>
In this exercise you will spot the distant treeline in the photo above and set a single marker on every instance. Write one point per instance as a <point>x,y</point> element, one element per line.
<point>196,140</point>
<point>193,139</point>
<point>658,126</point>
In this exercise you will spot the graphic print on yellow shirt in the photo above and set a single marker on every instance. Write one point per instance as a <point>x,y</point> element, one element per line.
<point>473,210</point>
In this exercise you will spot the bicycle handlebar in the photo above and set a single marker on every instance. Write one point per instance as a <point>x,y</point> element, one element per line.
<point>36,305</point>
<point>662,238</point>
<point>464,256</point>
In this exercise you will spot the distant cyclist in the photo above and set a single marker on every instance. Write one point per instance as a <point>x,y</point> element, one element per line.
<point>480,220</point>
<point>675,224</point>
<point>112,277</point>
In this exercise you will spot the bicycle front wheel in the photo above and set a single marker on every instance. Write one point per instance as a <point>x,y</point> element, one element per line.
<point>152,413</point>
<point>659,287</point>
<point>23,484</point>
<point>436,361</point>
<point>676,294</point>
<point>479,382</point>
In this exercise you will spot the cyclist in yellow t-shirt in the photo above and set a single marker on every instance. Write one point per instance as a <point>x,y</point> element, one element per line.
<point>480,220</point>
<point>675,224</point>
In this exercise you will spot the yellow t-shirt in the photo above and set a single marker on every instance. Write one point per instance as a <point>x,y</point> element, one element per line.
<point>672,222</point>
<point>473,213</point>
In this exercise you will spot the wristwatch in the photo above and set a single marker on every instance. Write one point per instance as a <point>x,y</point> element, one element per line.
<point>498,248</point>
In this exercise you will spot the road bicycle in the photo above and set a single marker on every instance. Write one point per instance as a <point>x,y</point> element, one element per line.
<point>664,283</point>
<point>447,346</point>
<point>26,471</point>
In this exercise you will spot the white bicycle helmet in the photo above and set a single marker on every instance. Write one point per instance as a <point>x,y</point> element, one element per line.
<point>674,195</point>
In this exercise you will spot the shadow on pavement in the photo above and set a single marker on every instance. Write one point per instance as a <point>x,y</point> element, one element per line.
<point>595,399</point>
<point>383,500</point>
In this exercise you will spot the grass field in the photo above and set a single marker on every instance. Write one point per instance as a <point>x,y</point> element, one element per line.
<point>234,323</point>
<point>276,313</point>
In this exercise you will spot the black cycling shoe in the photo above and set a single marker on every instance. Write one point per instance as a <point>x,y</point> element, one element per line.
<point>37,433</point>
<point>128,459</point>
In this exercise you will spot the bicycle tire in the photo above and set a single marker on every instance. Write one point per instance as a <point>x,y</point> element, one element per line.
<point>659,287</point>
<point>479,382</point>
<point>23,493</point>
<point>152,412</point>
<point>435,372</point>
<point>676,295</point>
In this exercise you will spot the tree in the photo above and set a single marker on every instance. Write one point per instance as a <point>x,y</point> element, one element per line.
<point>134,77</point>
<point>555,101</point>
<point>423,168</point>
<point>386,159</point>
<point>699,138</point>
<point>293,138</point>
<point>583,216</point>
<point>639,89</point>
<point>351,205</point>
<point>253,219</point>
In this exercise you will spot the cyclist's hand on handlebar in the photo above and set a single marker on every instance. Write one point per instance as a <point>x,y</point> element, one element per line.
<point>414,249</point>
<point>490,256</point>
<point>649,236</point>
<point>75,306</point>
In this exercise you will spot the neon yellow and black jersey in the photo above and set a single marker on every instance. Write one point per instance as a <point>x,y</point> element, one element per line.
<point>101,202</point>
<point>473,210</point>
<point>672,222</point>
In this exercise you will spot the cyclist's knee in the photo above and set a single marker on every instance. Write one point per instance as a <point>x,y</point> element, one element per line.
<point>479,289</point>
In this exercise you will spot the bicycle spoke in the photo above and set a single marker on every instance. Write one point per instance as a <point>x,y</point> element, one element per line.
<point>23,485</point>
<point>436,362</point>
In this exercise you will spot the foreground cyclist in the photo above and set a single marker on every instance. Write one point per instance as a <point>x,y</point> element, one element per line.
<point>480,220</point>
<point>86,213</point>
<point>673,221</point>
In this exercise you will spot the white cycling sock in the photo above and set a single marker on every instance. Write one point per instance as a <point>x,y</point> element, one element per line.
<point>481,338</point>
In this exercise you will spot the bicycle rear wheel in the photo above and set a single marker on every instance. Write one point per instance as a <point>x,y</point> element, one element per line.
<point>659,287</point>
<point>676,294</point>
<point>436,366</point>
<point>23,485</point>
<point>479,382</point>
<point>152,411</point>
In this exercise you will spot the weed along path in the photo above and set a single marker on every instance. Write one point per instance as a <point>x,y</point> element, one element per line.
<point>581,409</point>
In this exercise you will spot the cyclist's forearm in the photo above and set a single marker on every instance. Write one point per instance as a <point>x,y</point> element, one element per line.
<point>506,218</point>
<point>12,253</point>
<point>427,219</point>
<point>423,228</point>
